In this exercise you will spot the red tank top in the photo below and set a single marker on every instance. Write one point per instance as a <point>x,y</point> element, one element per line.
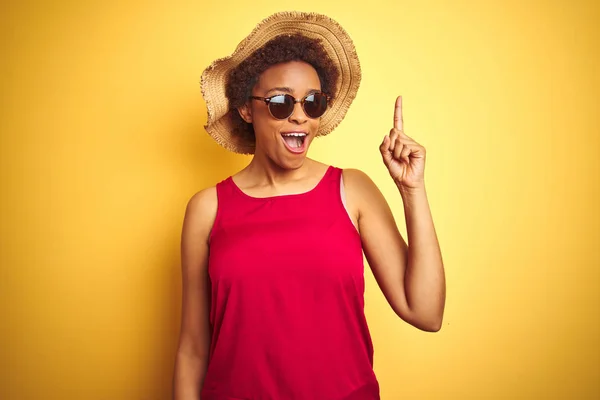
<point>287,290</point>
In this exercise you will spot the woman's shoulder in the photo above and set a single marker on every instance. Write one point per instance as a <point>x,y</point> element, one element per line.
<point>207,197</point>
<point>356,178</point>
<point>201,208</point>
<point>203,197</point>
<point>360,188</point>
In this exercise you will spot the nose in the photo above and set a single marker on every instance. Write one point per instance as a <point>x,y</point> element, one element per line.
<point>298,116</point>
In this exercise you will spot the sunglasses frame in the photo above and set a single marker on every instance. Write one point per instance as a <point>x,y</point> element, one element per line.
<point>267,100</point>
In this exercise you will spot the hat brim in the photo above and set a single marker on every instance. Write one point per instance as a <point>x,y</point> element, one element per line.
<point>336,42</point>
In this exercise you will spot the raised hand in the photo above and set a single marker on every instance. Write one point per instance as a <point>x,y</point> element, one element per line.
<point>403,157</point>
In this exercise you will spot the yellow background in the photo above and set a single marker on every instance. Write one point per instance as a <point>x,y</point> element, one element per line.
<point>102,144</point>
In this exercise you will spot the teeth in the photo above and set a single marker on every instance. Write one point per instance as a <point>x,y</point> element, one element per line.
<point>295,134</point>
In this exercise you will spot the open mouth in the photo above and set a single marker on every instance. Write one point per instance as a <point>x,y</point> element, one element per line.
<point>294,141</point>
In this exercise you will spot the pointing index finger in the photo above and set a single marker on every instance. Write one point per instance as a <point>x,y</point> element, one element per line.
<point>398,123</point>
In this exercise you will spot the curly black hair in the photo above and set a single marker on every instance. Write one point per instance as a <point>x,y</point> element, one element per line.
<point>279,50</point>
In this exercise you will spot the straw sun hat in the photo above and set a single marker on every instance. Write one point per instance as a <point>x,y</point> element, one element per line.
<point>337,44</point>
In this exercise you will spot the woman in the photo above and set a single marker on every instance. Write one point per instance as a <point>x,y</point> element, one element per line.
<point>273,278</point>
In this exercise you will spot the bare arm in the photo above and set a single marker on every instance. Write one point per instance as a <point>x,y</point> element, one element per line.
<point>194,339</point>
<point>425,280</point>
<point>411,277</point>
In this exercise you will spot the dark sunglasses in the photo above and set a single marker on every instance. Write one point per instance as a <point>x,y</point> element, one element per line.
<point>281,106</point>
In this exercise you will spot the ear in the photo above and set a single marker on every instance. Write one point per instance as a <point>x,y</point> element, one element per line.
<point>245,113</point>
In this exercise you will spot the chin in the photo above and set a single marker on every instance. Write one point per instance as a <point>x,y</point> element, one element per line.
<point>291,163</point>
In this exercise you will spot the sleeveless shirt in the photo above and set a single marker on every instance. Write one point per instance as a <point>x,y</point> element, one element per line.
<point>287,298</point>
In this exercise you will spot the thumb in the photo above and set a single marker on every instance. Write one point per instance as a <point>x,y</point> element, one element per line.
<point>386,154</point>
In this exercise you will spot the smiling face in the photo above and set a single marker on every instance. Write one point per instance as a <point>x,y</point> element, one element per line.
<point>283,141</point>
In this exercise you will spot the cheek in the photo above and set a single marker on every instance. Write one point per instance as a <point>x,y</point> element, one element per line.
<point>265,125</point>
<point>314,125</point>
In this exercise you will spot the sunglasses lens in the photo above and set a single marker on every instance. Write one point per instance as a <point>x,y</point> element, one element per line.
<point>315,105</point>
<point>281,106</point>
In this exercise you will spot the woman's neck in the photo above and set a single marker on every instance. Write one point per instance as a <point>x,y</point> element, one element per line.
<point>264,171</point>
